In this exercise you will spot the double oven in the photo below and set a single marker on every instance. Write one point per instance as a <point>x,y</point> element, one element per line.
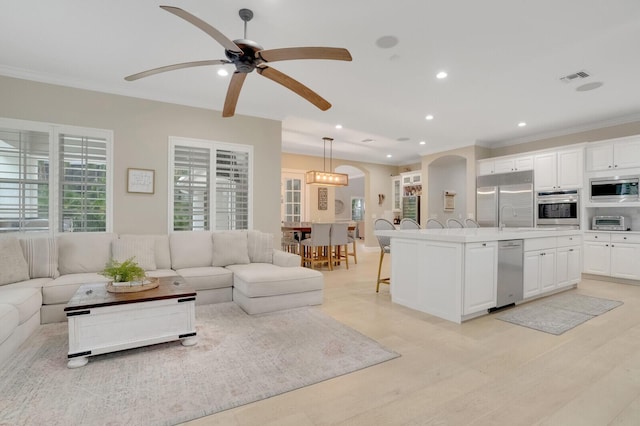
<point>558,208</point>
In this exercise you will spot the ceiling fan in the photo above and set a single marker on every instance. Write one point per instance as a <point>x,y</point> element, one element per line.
<point>247,56</point>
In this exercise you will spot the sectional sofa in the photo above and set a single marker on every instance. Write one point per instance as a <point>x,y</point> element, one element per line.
<point>38,276</point>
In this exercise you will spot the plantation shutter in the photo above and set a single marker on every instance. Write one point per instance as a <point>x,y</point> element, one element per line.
<point>83,183</point>
<point>24,180</point>
<point>232,189</point>
<point>191,188</point>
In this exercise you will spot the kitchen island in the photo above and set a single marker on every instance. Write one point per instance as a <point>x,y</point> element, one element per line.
<point>453,273</point>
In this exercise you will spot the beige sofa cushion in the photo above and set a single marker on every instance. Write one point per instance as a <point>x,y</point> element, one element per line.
<point>9,320</point>
<point>13,266</point>
<point>84,252</point>
<point>263,279</point>
<point>41,255</point>
<point>142,250</point>
<point>207,277</point>
<point>26,300</point>
<point>160,249</point>
<point>230,248</point>
<point>260,247</point>
<point>190,249</point>
<point>62,289</point>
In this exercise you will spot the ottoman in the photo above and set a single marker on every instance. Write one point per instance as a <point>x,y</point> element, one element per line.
<point>264,287</point>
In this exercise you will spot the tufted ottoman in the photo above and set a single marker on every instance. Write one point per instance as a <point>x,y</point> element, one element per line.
<point>264,287</point>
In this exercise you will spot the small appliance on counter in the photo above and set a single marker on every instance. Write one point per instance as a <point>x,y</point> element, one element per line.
<point>611,223</point>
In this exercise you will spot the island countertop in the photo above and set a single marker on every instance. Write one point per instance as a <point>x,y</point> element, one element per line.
<point>453,273</point>
<point>476,235</point>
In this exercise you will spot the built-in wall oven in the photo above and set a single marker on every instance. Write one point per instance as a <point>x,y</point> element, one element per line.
<point>558,208</point>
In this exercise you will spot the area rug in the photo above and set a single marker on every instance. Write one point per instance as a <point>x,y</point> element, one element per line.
<point>559,313</point>
<point>238,359</point>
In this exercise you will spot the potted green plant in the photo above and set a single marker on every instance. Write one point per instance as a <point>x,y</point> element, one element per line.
<point>127,271</point>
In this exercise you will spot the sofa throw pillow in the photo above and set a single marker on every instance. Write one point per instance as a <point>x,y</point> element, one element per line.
<point>260,247</point>
<point>13,266</point>
<point>141,249</point>
<point>190,249</point>
<point>41,255</point>
<point>230,248</point>
<point>82,252</point>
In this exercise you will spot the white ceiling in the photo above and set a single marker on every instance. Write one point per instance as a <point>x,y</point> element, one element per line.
<point>504,59</point>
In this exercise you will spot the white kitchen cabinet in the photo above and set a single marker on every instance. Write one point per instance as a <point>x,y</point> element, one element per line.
<point>568,266</point>
<point>480,279</point>
<point>614,154</point>
<point>504,165</point>
<point>396,193</point>
<point>513,164</point>
<point>559,169</point>
<point>485,167</point>
<point>539,272</point>
<point>412,178</point>
<point>625,260</point>
<point>615,255</point>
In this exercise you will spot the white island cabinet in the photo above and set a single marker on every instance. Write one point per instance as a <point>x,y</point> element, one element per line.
<point>453,273</point>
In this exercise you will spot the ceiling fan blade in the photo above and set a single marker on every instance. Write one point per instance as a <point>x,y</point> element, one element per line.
<point>295,86</point>
<point>288,53</point>
<point>217,35</point>
<point>237,80</point>
<point>175,67</point>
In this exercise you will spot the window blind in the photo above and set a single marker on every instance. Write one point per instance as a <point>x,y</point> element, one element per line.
<point>24,180</point>
<point>191,191</point>
<point>232,189</point>
<point>83,183</point>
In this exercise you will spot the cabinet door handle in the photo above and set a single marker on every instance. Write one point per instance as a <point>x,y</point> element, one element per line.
<point>612,245</point>
<point>609,166</point>
<point>596,237</point>
<point>484,244</point>
<point>624,238</point>
<point>570,238</point>
<point>606,245</point>
<point>570,249</point>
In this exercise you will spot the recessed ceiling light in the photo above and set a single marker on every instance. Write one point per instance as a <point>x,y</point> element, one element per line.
<point>223,72</point>
<point>423,142</point>
<point>338,126</point>
<point>429,117</point>
<point>522,124</point>
<point>441,75</point>
<point>389,155</point>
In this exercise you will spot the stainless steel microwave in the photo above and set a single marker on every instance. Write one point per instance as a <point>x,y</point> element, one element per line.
<point>619,189</point>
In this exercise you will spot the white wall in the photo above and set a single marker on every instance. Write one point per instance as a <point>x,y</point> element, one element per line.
<point>447,173</point>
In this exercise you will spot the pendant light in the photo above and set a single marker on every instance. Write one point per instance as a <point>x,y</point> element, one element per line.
<point>327,178</point>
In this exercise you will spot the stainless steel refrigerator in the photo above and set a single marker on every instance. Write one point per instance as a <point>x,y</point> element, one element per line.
<point>505,199</point>
<point>411,207</point>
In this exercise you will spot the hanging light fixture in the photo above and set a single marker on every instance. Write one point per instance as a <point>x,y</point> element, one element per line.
<point>327,178</point>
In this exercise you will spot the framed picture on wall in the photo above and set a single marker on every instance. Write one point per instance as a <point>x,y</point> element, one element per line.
<point>323,198</point>
<point>141,181</point>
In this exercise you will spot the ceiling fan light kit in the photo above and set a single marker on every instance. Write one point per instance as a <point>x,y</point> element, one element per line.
<point>247,56</point>
<point>324,177</point>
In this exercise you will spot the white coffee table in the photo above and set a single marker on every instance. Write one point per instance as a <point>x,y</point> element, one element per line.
<point>101,322</point>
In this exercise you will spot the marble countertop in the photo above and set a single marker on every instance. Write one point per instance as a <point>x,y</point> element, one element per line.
<point>474,235</point>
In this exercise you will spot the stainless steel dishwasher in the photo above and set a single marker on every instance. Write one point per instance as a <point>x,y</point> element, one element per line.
<point>510,272</point>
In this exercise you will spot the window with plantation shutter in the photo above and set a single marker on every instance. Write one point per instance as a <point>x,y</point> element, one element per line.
<point>54,178</point>
<point>24,180</point>
<point>211,185</point>
<point>83,183</point>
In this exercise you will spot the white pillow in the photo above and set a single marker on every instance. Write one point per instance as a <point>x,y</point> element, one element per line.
<point>190,249</point>
<point>142,250</point>
<point>260,246</point>
<point>82,252</point>
<point>41,255</point>
<point>13,266</point>
<point>230,248</point>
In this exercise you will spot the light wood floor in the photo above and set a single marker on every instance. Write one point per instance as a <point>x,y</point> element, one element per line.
<point>483,372</point>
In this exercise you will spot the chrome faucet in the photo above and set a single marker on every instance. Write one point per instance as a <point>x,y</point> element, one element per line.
<point>513,213</point>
